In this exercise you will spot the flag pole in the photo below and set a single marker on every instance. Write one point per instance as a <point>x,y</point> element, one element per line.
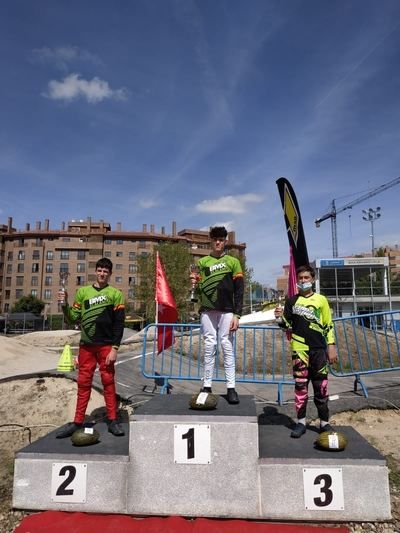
<point>155,292</point>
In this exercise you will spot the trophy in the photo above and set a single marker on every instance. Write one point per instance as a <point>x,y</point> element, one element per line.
<point>194,269</point>
<point>63,280</point>
<point>280,299</point>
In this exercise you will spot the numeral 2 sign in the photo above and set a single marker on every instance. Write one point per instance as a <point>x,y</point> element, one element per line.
<point>323,489</point>
<point>68,482</point>
<point>192,444</point>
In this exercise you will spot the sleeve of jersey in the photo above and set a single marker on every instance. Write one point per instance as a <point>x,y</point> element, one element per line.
<point>119,319</point>
<point>327,322</point>
<point>238,289</point>
<point>287,315</point>
<point>73,313</point>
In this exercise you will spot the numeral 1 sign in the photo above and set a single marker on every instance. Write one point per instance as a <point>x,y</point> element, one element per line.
<point>323,489</point>
<point>192,444</point>
<point>68,482</point>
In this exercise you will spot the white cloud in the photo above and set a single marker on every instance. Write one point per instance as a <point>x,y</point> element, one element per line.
<point>73,87</point>
<point>61,56</point>
<point>228,204</point>
<point>147,203</point>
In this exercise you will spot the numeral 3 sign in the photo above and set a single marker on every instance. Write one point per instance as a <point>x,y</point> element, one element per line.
<point>323,489</point>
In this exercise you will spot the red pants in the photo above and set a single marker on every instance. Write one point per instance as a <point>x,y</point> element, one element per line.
<point>89,356</point>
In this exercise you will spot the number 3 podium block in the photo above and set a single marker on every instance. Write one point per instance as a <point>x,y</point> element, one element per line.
<point>194,463</point>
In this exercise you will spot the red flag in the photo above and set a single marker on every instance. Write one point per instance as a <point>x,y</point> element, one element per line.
<point>166,308</point>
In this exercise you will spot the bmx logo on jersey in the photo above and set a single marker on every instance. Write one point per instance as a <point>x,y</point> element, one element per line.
<point>218,266</point>
<point>98,300</point>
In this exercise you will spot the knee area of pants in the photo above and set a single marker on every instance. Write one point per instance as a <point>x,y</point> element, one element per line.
<point>300,386</point>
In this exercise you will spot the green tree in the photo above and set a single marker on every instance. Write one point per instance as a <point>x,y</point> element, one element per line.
<point>176,259</point>
<point>28,304</point>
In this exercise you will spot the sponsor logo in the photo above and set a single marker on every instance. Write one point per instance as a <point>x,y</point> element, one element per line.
<point>292,215</point>
<point>304,312</point>
<point>218,266</point>
<point>98,300</point>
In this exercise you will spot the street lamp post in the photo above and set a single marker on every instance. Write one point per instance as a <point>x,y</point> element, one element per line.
<point>370,215</point>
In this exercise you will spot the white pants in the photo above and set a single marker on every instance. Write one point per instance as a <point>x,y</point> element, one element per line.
<point>215,326</point>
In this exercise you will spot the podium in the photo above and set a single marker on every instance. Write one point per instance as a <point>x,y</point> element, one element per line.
<point>221,463</point>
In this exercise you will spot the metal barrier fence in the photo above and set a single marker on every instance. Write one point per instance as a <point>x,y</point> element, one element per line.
<point>366,344</point>
<point>262,356</point>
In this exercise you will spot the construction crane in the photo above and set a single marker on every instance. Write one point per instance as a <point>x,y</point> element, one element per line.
<point>334,211</point>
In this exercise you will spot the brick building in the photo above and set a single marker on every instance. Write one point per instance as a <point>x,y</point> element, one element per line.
<point>31,259</point>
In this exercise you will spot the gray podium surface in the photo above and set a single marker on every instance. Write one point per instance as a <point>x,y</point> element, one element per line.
<point>251,468</point>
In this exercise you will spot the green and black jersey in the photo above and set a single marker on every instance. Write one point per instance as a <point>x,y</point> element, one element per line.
<point>310,320</point>
<point>100,313</point>
<point>221,284</point>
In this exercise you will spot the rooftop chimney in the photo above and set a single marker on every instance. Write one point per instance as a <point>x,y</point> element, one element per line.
<point>27,226</point>
<point>119,226</point>
<point>38,225</point>
<point>144,228</point>
<point>174,228</point>
<point>46,224</point>
<point>151,228</point>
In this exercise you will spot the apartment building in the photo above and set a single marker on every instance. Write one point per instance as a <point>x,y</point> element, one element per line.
<point>31,259</point>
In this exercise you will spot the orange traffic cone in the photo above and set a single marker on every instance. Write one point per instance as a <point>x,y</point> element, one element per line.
<point>66,361</point>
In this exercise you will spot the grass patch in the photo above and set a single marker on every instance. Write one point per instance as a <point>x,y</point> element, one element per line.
<point>394,471</point>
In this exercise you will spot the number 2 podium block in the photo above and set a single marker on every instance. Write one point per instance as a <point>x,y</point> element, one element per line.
<point>194,463</point>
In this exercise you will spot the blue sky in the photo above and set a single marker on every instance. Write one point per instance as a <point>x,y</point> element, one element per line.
<point>149,111</point>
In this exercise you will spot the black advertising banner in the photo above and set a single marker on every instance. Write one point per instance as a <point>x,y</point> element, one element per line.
<point>294,225</point>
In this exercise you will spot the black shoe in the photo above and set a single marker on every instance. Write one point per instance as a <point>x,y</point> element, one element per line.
<point>115,428</point>
<point>298,431</point>
<point>232,396</point>
<point>327,427</point>
<point>68,430</point>
<point>206,389</point>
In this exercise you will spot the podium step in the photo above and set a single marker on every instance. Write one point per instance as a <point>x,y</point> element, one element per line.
<point>222,463</point>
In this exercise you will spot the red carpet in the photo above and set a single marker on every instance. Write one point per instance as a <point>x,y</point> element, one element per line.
<point>60,522</point>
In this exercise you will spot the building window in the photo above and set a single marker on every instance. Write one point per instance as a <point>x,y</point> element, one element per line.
<point>49,254</point>
<point>131,294</point>
<point>142,244</point>
<point>38,241</point>
<point>9,256</point>
<point>9,268</point>
<point>8,295</point>
<point>107,241</point>
<point>120,241</point>
<point>81,254</point>
<point>47,294</point>
<point>21,241</point>
<point>118,279</point>
<point>80,267</point>
<point>19,293</point>
<point>132,280</point>
<point>132,256</point>
<point>48,280</point>
<point>107,254</point>
<point>34,281</point>
<point>20,267</point>
<point>21,255</point>
<point>8,282</point>
<point>119,254</point>
<point>118,266</point>
<point>63,267</point>
<point>64,254</point>
<point>66,239</point>
<point>35,255</point>
<point>6,308</point>
<point>34,292</point>
<point>80,280</point>
<point>35,267</point>
<point>49,268</point>
<point>132,269</point>
<point>20,281</point>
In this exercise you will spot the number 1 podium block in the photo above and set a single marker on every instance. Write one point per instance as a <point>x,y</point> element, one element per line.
<point>194,463</point>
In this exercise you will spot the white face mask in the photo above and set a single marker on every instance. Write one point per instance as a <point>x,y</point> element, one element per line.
<point>304,286</point>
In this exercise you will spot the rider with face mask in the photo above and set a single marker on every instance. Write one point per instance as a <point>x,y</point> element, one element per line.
<point>308,316</point>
